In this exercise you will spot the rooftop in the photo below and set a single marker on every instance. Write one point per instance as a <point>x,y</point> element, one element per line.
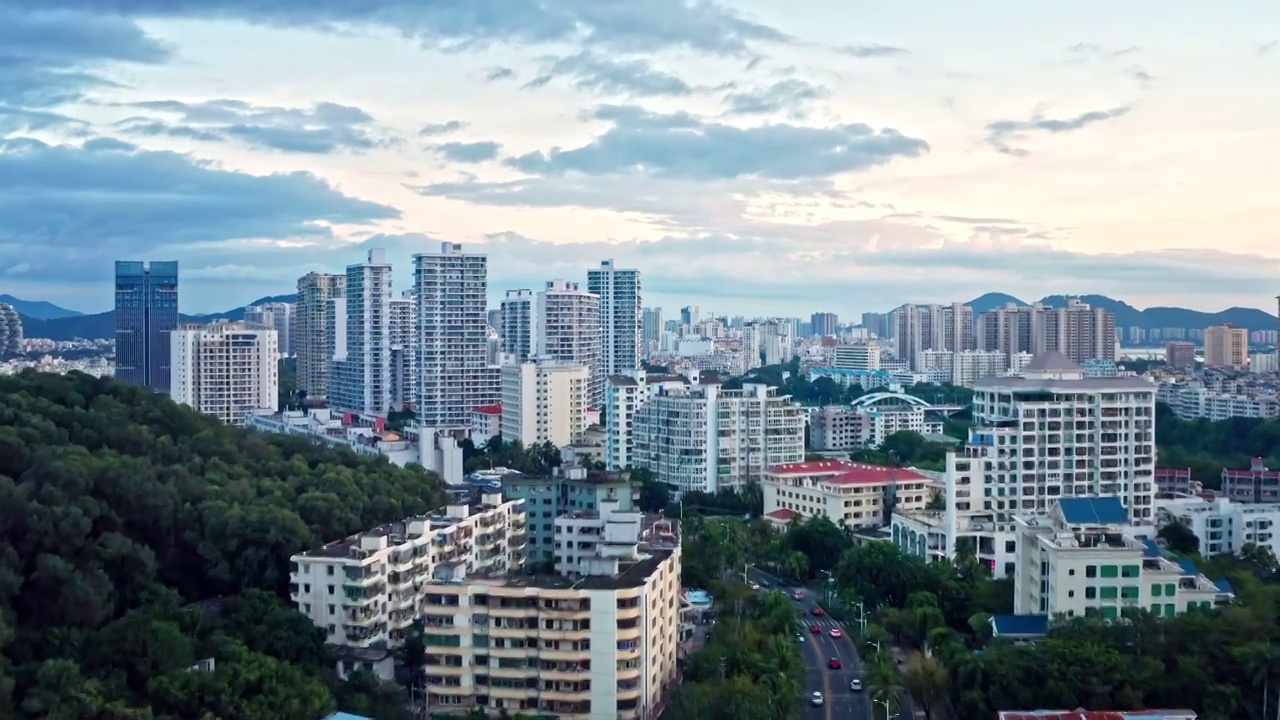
<point>1051,361</point>
<point>783,514</point>
<point>843,472</point>
<point>633,575</point>
<point>1115,384</point>
<point>1093,511</point>
<point>398,531</point>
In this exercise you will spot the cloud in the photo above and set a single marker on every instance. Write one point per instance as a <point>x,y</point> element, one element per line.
<point>593,73</point>
<point>1084,51</point>
<point>16,120</point>
<point>1144,78</point>
<point>472,152</point>
<point>537,82</point>
<point>791,95</point>
<point>49,57</point>
<point>1266,48</point>
<point>444,128</point>
<point>71,209</point>
<point>871,50</point>
<point>620,25</point>
<point>324,128</point>
<point>499,73</point>
<point>1001,132</point>
<point>681,146</point>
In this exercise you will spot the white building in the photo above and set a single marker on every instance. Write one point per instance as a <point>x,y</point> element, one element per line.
<point>403,368</point>
<point>313,339</point>
<point>970,366</point>
<point>544,402</point>
<point>586,537</point>
<point>1263,363</point>
<point>837,428</point>
<point>486,423</point>
<point>360,378</point>
<point>569,331</point>
<point>278,316</point>
<point>454,376</point>
<point>1050,433</point>
<point>619,293</point>
<point>1225,527</point>
<point>226,369</point>
<point>1080,558</point>
<point>520,324</point>
<point>624,394</point>
<point>367,590</point>
<point>864,357</point>
<point>704,438</point>
<point>853,495</point>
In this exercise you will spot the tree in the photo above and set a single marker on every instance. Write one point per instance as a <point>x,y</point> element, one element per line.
<point>1179,538</point>
<point>926,680</point>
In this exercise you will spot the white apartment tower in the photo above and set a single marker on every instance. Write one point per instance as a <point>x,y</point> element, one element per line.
<point>624,395</point>
<point>360,379</point>
<point>652,327</point>
<point>454,376</point>
<point>917,328</point>
<point>569,331</point>
<point>544,401</point>
<point>619,293</point>
<point>227,369</point>
<point>1077,331</point>
<point>278,316</point>
<point>403,328</point>
<point>313,343</point>
<point>520,324</point>
<point>705,438</point>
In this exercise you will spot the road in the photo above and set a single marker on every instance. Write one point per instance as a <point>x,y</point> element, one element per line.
<point>817,650</point>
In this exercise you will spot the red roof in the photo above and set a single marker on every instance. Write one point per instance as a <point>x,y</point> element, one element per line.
<point>811,467</point>
<point>490,409</point>
<point>843,472</point>
<point>781,514</point>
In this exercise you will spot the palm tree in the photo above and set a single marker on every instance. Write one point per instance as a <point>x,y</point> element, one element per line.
<point>928,681</point>
<point>1262,664</point>
<point>884,682</point>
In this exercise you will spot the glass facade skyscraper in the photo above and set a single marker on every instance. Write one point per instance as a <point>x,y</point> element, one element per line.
<point>146,316</point>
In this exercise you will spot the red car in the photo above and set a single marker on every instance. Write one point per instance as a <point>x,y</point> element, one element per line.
<point>815,630</point>
<point>836,633</point>
<point>816,611</point>
<point>834,664</point>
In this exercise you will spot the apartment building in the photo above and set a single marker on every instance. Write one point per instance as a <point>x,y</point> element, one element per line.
<point>1050,433</point>
<point>277,316</point>
<point>1257,484</point>
<point>519,329</point>
<point>864,357</point>
<point>226,369</point>
<point>1081,559</point>
<point>568,490</point>
<point>401,334</point>
<point>1226,347</point>
<point>620,305</point>
<point>454,374</point>
<point>367,590</point>
<point>837,428</point>
<point>1180,355</point>
<point>853,495</point>
<point>1078,331</point>
<point>917,328</point>
<point>486,423</point>
<point>652,328</point>
<point>824,324</point>
<point>1192,400</point>
<point>624,394</point>
<point>544,401</point>
<point>600,644</point>
<point>360,376</point>
<point>146,315</point>
<point>1176,481</point>
<point>313,339</point>
<point>1223,526</point>
<point>10,331</point>
<point>705,438</point>
<point>569,331</point>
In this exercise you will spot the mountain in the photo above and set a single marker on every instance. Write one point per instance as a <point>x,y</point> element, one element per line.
<point>38,309</point>
<point>103,324</point>
<point>1151,318</point>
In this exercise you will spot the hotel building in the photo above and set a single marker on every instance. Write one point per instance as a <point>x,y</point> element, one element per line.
<point>849,494</point>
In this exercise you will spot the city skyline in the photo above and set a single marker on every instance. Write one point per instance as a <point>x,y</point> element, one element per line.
<point>740,159</point>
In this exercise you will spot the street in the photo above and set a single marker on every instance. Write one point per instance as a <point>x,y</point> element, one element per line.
<point>817,650</point>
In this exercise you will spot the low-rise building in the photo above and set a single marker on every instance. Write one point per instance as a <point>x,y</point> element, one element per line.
<point>836,428</point>
<point>1224,527</point>
<point>1257,484</point>
<point>367,590</point>
<point>486,423</point>
<point>853,495</point>
<point>569,490</point>
<point>1176,481</point>
<point>1080,559</point>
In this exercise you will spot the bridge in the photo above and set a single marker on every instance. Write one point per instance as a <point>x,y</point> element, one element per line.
<point>897,399</point>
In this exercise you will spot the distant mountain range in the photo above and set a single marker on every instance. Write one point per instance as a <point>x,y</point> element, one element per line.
<point>62,324</point>
<point>1151,318</point>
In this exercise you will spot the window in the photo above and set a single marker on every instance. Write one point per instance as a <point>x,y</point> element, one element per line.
<point>1090,593</point>
<point>1170,610</point>
<point>1110,612</point>
<point>1110,571</point>
<point>1170,590</point>
<point>1129,593</point>
<point>1108,592</point>
<point>1091,571</point>
<point>1156,590</point>
<point>1155,608</point>
<point>1131,571</point>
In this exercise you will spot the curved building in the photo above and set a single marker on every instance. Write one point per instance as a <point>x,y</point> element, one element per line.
<point>10,331</point>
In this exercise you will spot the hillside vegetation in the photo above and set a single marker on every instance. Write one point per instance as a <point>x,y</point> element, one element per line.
<point>119,509</point>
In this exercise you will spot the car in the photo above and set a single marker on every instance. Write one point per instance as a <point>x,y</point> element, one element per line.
<point>816,611</point>
<point>816,630</point>
<point>799,638</point>
<point>816,699</point>
<point>755,586</point>
<point>797,595</point>
<point>855,685</point>
<point>836,633</point>
<point>834,664</point>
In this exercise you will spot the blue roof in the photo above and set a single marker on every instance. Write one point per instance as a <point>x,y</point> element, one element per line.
<point>1188,567</point>
<point>1152,548</point>
<point>1224,586</point>
<point>1021,625</point>
<point>1093,511</point>
<point>345,716</point>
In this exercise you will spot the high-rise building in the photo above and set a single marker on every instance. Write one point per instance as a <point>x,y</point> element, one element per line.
<point>226,369</point>
<point>1226,347</point>
<point>624,395</point>
<point>10,331</point>
<point>916,328</point>
<point>651,329</point>
<point>520,324</point>
<point>403,327</point>
<point>454,375</point>
<point>569,331</point>
<point>277,315</point>
<point>146,316</point>
<point>360,377</point>
<point>824,324</point>
<point>727,438</point>
<point>544,401</point>
<point>313,338</point>
<point>1078,331</point>
<point>619,293</point>
<point>690,315</point>
<point>1180,355</point>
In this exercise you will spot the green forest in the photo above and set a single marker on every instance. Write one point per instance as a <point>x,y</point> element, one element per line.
<point>141,538</point>
<point>1209,446</point>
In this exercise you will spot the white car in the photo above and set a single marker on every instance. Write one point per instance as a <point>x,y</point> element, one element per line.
<point>754,586</point>
<point>855,685</point>
<point>816,699</point>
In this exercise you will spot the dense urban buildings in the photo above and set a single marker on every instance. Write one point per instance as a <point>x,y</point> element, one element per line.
<point>619,293</point>
<point>572,489</point>
<point>360,376</point>
<point>146,314</point>
<point>10,331</point>
<point>931,327</point>
<point>1226,347</point>
<point>1224,526</point>
<point>225,369</point>
<point>454,374</point>
<point>314,337</point>
<point>1077,331</point>
<point>824,324</point>
<point>625,395</point>
<point>1180,355</point>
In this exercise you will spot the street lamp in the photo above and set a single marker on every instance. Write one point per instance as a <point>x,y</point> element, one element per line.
<point>884,704</point>
<point>862,617</point>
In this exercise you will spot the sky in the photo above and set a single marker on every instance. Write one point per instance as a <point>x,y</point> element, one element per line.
<point>749,157</point>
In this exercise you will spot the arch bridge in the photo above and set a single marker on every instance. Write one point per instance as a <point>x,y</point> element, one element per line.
<point>891,399</point>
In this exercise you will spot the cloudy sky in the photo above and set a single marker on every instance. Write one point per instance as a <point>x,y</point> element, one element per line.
<point>750,156</point>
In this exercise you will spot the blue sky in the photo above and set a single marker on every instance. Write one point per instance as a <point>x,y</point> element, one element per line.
<point>749,157</point>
